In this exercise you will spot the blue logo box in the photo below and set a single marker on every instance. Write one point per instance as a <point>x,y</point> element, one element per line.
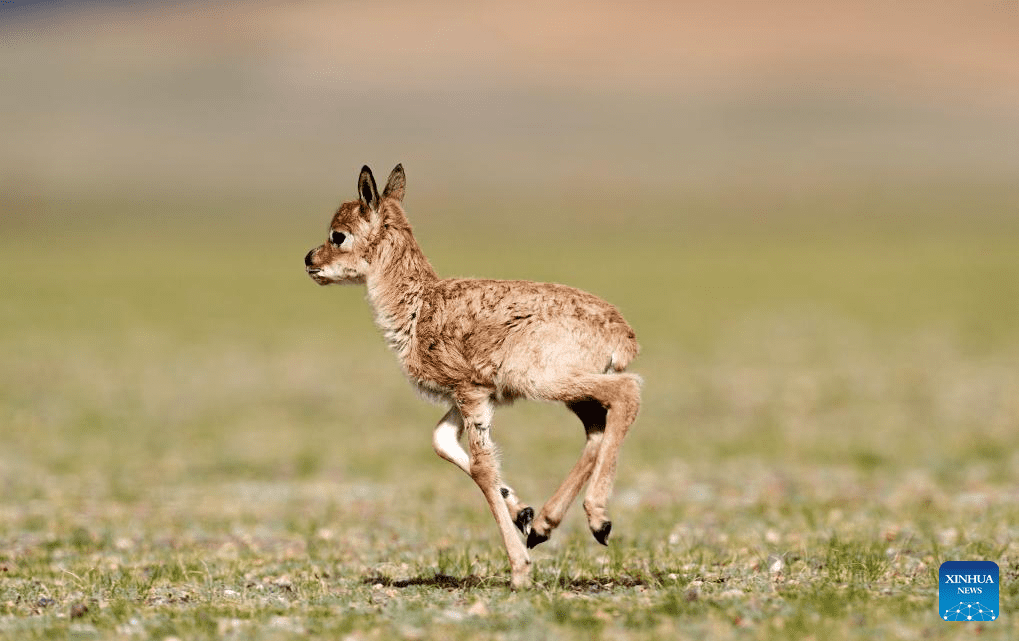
<point>968,591</point>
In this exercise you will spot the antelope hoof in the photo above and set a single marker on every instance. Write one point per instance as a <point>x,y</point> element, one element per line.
<point>523,520</point>
<point>534,538</point>
<point>520,582</point>
<point>601,534</point>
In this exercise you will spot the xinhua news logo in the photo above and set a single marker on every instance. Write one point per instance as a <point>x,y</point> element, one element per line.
<point>968,591</point>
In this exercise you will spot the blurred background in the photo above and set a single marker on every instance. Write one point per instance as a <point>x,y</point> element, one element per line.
<point>808,211</point>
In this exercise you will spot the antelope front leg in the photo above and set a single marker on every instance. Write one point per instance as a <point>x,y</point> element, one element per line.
<point>476,408</point>
<point>446,441</point>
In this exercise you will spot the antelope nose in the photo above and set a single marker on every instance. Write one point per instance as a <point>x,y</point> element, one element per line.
<point>307,258</point>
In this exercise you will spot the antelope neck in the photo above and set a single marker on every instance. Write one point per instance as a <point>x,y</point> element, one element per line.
<point>396,282</point>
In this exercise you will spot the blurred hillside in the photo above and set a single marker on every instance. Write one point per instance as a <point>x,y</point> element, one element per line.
<point>580,102</point>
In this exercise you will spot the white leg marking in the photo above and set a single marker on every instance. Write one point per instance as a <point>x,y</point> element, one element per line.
<point>446,440</point>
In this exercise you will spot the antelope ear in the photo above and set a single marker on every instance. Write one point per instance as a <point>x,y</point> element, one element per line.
<point>396,185</point>
<point>367,192</point>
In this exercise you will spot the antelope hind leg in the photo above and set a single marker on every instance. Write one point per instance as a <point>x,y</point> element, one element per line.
<point>621,397</point>
<point>592,414</point>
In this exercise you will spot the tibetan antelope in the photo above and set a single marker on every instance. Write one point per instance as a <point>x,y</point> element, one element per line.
<point>472,344</point>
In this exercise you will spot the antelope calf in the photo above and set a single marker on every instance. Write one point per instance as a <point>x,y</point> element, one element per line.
<point>472,344</point>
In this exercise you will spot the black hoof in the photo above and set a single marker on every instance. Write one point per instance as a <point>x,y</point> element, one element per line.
<point>524,518</point>
<point>534,538</point>
<point>602,534</point>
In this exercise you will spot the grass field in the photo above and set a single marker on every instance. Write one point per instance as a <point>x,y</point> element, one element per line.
<point>197,442</point>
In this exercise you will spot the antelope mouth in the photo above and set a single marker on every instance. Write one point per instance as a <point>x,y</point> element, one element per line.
<point>316,275</point>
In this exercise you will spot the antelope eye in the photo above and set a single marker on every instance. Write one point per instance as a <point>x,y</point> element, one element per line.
<point>337,237</point>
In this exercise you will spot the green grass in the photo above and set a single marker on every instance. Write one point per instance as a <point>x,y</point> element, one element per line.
<point>200,443</point>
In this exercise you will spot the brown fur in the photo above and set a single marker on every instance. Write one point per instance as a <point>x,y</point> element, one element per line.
<point>473,343</point>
